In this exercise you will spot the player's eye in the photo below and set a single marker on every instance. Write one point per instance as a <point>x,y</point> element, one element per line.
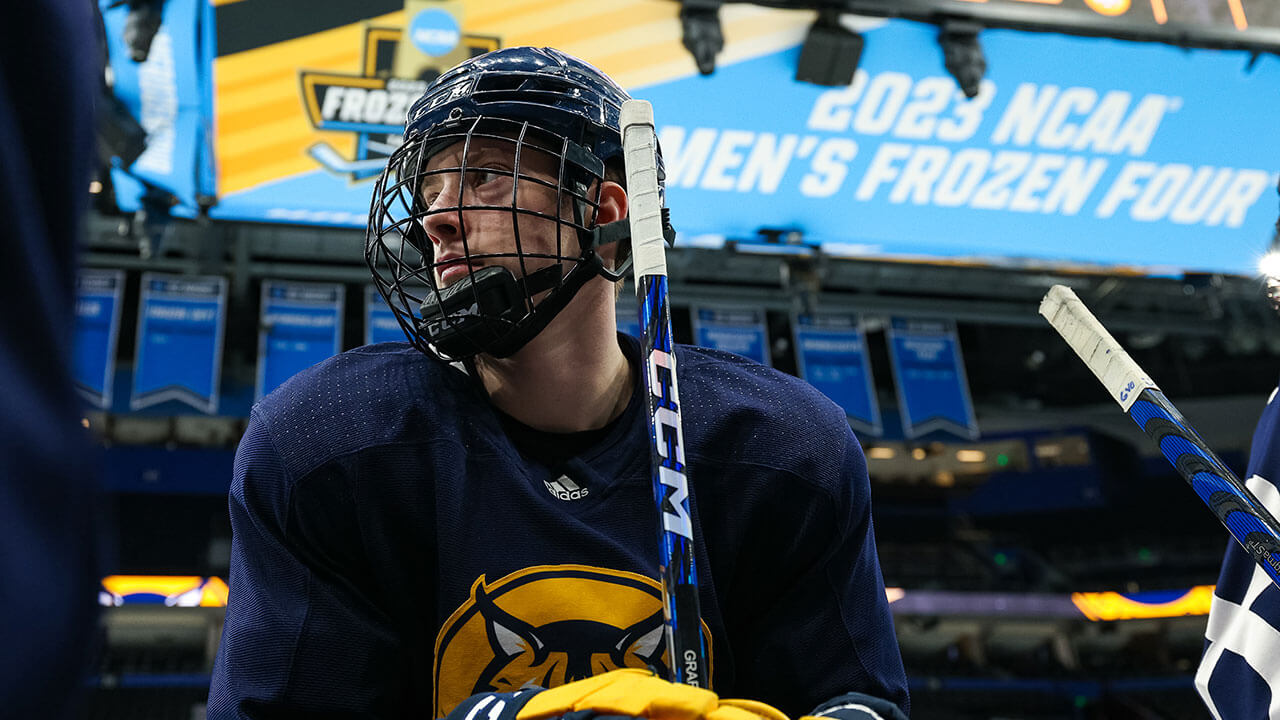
<point>430,188</point>
<point>485,176</point>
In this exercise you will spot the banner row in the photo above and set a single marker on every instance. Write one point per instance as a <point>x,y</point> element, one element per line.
<point>181,322</point>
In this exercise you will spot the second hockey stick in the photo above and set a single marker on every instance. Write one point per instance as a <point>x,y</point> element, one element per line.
<point>686,647</point>
<point>1243,515</point>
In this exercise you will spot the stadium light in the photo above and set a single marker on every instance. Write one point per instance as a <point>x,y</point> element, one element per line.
<point>831,52</point>
<point>141,25</point>
<point>962,54</point>
<point>702,34</point>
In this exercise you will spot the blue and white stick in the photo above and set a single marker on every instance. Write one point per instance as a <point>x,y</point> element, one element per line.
<point>1244,516</point>
<point>686,646</point>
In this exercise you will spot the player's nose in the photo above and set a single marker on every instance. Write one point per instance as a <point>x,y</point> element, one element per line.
<point>443,218</point>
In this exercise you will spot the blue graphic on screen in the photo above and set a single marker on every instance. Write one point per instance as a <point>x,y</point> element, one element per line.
<point>98,295</point>
<point>831,354</point>
<point>435,32</point>
<point>170,94</point>
<point>740,331</point>
<point>1120,157</point>
<point>933,393</point>
<point>627,317</point>
<point>301,325</point>
<point>380,323</point>
<point>179,355</point>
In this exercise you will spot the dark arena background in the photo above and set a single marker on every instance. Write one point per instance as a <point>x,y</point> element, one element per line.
<point>873,196</point>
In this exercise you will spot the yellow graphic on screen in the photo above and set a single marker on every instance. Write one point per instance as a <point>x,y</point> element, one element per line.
<point>170,590</point>
<point>270,101</point>
<point>1116,606</point>
<point>1108,7</point>
<point>373,105</point>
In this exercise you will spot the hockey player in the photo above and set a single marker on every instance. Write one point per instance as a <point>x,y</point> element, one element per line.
<point>49,77</point>
<point>1239,676</point>
<point>437,527</point>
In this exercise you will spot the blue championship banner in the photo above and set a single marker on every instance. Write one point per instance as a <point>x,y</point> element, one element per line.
<point>380,324</point>
<point>740,331</point>
<point>301,325</point>
<point>98,303</point>
<point>832,356</point>
<point>179,355</point>
<point>933,393</point>
<point>627,317</point>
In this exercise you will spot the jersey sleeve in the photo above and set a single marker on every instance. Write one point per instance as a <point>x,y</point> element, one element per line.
<point>827,632</point>
<point>1239,673</point>
<point>303,633</point>
<point>858,706</point>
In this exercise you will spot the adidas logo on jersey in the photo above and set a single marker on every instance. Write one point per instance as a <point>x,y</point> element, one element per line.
<point>565,489</point>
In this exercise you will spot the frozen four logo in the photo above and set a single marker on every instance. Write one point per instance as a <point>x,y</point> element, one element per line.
<point>373,104</point>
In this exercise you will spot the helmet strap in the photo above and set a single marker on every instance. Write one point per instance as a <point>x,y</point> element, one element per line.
<point>616,232</point>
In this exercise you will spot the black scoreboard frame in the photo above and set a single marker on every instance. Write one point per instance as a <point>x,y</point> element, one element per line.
<point>1139,20</point>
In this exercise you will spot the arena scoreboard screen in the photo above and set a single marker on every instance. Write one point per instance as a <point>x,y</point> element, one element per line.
<point>1244,24</point>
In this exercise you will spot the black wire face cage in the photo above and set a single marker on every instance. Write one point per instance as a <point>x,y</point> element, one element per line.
<point>485,194</point>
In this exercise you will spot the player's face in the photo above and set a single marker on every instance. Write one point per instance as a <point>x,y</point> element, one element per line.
<point>471,214</point>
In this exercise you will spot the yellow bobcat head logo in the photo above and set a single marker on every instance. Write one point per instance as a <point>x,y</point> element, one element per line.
<point>547,626</point>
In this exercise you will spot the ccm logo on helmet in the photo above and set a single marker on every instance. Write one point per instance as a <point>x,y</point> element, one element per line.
<point>455,92</point>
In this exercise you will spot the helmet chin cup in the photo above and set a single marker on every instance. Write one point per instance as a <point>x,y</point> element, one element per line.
<point>488,311</point>
<point>474,314</point>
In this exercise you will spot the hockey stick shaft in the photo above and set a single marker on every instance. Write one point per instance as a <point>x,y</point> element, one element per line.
<point>686,646</point>
<point>1236,507</point>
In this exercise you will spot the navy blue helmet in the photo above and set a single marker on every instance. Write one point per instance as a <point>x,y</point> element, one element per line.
<point>483,224</point>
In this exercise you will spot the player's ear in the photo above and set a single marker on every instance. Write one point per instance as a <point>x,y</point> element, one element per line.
<point>613,202</point>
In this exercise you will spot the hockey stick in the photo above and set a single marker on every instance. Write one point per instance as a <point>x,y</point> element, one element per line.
<point>686,648</point>
<point>1243,515</point>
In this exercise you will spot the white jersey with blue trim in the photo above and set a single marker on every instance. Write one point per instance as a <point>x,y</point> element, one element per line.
<point>1239,674</point>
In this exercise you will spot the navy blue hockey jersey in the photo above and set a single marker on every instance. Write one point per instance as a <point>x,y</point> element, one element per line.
<point>1239,674</point>
<point>395,553</point>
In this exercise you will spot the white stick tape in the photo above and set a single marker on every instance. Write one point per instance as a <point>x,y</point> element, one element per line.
<point>1119,374</point>
<point>639,149</point>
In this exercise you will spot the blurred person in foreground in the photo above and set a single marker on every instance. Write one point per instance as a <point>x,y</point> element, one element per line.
<point>1239,674</point>
<point>446,527</point>
<point>49,79</point>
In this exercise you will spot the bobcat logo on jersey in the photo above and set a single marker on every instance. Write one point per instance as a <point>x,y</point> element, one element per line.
<point>548,625</point>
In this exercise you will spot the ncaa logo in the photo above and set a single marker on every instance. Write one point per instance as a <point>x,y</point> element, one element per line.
<point>435,32</point>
